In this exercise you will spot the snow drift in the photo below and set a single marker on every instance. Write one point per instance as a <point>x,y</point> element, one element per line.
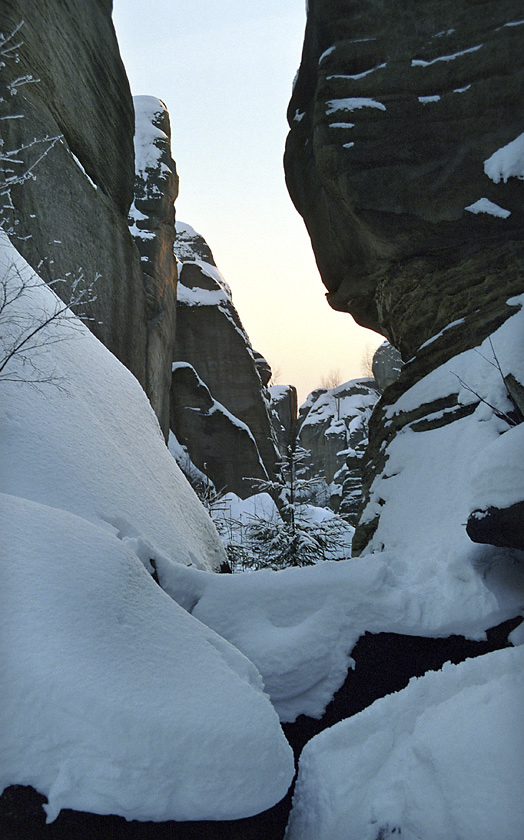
<point>117,700</point>
<point>441,759</point>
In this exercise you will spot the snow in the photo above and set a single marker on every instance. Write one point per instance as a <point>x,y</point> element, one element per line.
<point>421,576</point>
<point>439,334</point>
<point>418,62</point>
<point>484,205</point>
<point>498,480</point>
<point>326,53</point>
<point>514,23</point>
<point>348,145</point>
<point>118,701</point>
<point>299,115</point>
<point>424,100</point>
<point>507,162</point>
<point>352,103</point>
<point>349,400</point>
<point>82,169</point>
<point>147,135</point>
<point>441,760</point>
<point>358,76</point>
<point>100,426</point>
<point>341,125</point>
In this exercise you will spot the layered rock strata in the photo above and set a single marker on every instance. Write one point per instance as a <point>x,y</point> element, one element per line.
<point>405,160</point>
<point>397,116</point>
<point>211,338</point>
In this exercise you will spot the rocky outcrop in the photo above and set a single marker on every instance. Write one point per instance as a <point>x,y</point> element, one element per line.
<point>218,444</point>
<point>333,427</point>
<point>387,364</point>
<point>397,115</point>
<point>69,216</point>
<point>211,338</point>
<point>152,218</point>
<point>72,216</point>
<point>405,160</point>
<point>503,527</point>
<point>284,411</point>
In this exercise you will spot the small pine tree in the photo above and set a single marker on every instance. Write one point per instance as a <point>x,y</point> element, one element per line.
<point>293,539</point>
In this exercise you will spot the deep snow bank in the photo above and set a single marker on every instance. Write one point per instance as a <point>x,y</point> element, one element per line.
<point>441,759</point>
<point>117,700</point>
<point>93,445</point>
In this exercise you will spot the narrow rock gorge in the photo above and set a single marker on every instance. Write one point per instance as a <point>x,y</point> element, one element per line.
<point>127,656</point>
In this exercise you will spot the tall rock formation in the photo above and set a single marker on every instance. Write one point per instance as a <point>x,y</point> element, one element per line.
<point>333,427</point>
<point>72,120</point>
<point>405,158</point>
<point>211,338</point>
<point>152,218</point>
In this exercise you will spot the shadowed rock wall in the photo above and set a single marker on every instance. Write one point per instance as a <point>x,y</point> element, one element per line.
<point>395,109</point>
<point>71,217</point>
<point>399,160</point>
<point>211,338</point>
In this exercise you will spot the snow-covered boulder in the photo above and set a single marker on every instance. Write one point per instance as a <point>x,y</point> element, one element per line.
<point>441,759</point>
<point>75,442</point>
<point>118,701</point>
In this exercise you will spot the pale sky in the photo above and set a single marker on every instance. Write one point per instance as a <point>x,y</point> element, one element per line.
<point>224,69</point>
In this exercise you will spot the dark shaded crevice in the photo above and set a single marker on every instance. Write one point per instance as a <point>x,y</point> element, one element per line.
<point>384,663</point>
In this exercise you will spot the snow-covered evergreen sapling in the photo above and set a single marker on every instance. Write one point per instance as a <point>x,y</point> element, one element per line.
<point>292,539</point>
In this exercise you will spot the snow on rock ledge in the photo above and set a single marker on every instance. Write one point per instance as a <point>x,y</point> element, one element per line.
<point>118,701</point>
<point>441,759</point>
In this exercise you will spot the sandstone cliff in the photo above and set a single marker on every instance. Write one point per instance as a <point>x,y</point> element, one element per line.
<point>405,160</point>
<point>210,337</point>
<point>333,427</point>
<point>70,215</point>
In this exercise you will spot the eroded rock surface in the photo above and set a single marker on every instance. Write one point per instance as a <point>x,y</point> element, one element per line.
<point>396,109</point>
<point>405,160</point>
<point>218,444</point>
<point>152,218</point>
<point>211,338</point>
<point>72,217</point>
<point>333,427</point>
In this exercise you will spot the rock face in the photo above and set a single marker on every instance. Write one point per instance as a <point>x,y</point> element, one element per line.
<point>71,219</point>
<point>152,217</point>
<point>284,411</point>
<point>387,364</point>
<point>219,445</point>
<point>396,109</point>
<point>211,338</point>
<point>333,427</point>
<point>405,160</point>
